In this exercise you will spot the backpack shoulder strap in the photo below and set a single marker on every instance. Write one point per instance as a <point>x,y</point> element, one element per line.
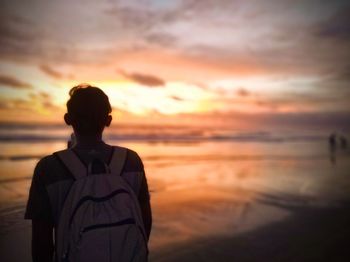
<point>118,160</point>
<point>72,162</point>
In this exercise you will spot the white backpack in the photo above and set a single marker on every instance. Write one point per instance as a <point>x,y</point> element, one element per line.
<point>101,218</point>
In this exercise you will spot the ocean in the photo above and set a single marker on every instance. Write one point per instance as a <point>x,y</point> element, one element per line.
<point>204,181</point>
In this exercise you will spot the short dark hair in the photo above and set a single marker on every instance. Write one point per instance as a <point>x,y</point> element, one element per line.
<point>88,108</point>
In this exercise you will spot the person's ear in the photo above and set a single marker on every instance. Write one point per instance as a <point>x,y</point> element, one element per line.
<point>67,119</point>
<point>108,120</point>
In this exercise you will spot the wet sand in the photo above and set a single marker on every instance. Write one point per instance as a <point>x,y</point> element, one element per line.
<point>15,243</point>
<point>211,207</point>
<point>309,234</point>
<point>223,228</point>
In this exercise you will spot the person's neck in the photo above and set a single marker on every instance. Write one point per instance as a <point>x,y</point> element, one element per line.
<point>88,141</point>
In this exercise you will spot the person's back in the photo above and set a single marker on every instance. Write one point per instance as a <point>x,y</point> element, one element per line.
<point>88,113</point>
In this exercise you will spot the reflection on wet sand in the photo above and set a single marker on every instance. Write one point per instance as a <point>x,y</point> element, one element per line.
<point>219,201</point>
<point>185,215</point>
<point>306,234</point>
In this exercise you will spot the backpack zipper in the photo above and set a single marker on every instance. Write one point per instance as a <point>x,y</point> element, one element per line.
<point>94,199</point>
<point>128,221</point>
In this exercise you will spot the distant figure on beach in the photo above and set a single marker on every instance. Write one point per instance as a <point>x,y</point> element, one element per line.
<point>343,142</point>
<point>92,198</point>
<point>332,140</point>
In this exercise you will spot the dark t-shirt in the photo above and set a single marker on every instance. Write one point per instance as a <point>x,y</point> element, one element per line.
<point>52,180</point>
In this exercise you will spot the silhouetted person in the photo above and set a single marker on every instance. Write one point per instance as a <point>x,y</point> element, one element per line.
<point>343,142</point>
<point>88,112</point>
<point>332,140</point>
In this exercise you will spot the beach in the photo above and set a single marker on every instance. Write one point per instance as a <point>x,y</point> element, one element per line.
<point>239,111</point>
<point>247,199</point>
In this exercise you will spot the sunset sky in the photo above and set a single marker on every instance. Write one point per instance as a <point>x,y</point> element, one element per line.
<point>179,61</point>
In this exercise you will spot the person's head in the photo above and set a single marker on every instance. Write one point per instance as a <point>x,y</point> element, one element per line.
<point>88,110</point>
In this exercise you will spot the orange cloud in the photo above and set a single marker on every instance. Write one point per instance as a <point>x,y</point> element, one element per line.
<point>13,82</point>
<point>50,71</point>
<point>143,79</point>
<point>242,92</point>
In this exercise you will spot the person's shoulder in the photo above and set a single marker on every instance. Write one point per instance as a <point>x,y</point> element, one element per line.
<point>133,154</point>
<point>133,161</point>
<point>44,167</point>
<point>51,161</point>
<point>46,161</point>
<point>51,169</point>
<point>130,153</point>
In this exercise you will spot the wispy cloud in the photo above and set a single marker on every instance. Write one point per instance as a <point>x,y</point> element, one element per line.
<point>177,98</point>
<point>162,39</point>
<point>19,38</point>
<point>143,79</point>
<point>337,27</point>
<point>13,82</point>
<point>35,100</point>
<point>242,92</point>
<point>50,71</point>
